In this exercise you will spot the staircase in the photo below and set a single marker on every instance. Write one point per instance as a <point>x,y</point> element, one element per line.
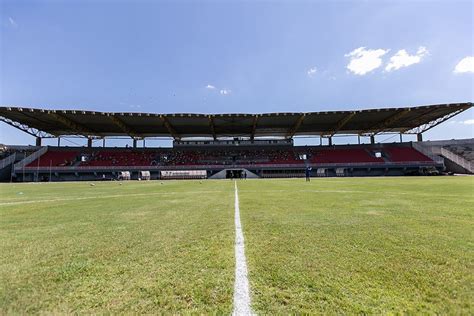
<point>7,161</point>
<point>6,167</point>
<point>429,152</point>
<point>29,159</point>
<point>439,152</point>
<point>457,159</point>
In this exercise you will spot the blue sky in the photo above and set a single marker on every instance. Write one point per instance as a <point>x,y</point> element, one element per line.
<point>237,56</point>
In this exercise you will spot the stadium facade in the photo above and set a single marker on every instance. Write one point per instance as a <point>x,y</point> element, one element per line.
<point>231,145</point>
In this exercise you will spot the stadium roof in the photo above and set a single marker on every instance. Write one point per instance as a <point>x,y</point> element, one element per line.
<point>53,123</point>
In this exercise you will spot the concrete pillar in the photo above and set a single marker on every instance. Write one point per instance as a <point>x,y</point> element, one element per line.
<point>89,142</point>
<point>38,141</point>
<point>134,143</point>
<point>372,139</point>
<point>419,137</point>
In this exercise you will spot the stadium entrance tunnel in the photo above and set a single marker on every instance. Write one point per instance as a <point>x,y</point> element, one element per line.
<point>234,174</point>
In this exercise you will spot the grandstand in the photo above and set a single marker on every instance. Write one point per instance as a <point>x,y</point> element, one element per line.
<point>378,245</point>
<point>231,145</point>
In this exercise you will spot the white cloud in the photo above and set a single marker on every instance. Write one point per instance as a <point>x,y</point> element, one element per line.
<point>403,59</point>
<point>311,72</point>
<point>466,122</point>
<point>221,91</point>
<point>465,65</point>
<point>12,22</point>
<point>363,61</point>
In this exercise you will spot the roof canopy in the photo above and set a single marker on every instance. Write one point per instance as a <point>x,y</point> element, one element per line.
<point>53,123</point>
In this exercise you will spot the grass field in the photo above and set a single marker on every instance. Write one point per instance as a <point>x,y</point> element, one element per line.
<point>345,245</point>
<point>136,247</point>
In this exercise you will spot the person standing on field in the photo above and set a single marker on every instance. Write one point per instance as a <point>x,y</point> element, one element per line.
<point>308,174</point>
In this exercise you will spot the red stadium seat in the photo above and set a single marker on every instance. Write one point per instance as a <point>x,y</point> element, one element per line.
<point>405,154</point>
<point>55,159</point>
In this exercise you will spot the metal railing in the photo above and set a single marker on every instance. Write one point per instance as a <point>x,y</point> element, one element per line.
<point>22,164</point>
<point>437,151</point>
<point>457,159</point>
<point>430,153</point>
<point>7,161</point>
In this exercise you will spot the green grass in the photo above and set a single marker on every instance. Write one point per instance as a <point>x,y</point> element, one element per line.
<point>346,245</point>
<point>136,247</point>
<point>378,245</point>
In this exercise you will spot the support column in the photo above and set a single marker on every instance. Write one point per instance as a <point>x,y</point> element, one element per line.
<point>144,144</point>
<point>59,141</point>
<point>89,142</point>
<point>358,139</point>
<point>320,140</point>
<point>38,141</point>
<point>419,137</point>
<point>372,139</point>
<point>103,142</point>
<point>134,143</point>
<point>330,141</point>
<point>401,138</point>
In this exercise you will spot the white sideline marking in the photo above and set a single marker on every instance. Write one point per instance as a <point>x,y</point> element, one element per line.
<point>241,286</point>
<point>358,191</point>
<point>102,197</point>
<point>210,191</point>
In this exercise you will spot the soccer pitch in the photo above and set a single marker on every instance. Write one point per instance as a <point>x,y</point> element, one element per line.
<point>336,245</point>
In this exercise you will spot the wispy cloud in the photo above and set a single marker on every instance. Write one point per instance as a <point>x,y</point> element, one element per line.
<point>403,59</point>
<point>363,61</point>
<point>465,122</point>
<point>12,22</point>
<point>221,91</point>
<point>465,65</point>
<point>131,106</point>
<point>311,72</point>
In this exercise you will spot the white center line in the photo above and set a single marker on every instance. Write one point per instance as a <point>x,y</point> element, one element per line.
<point>241,286</point>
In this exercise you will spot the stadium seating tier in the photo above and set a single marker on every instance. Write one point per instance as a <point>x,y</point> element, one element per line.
<point>221,157</point>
